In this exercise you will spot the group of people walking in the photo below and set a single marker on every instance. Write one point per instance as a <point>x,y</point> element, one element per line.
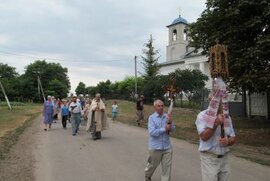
<point>90,113</point>
<point>214,128</point>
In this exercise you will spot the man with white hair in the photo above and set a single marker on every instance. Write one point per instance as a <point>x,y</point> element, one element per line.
<point>160,149</point>
<point>97,119</point>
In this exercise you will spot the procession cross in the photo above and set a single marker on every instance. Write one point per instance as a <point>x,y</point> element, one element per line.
<point>171,91</point>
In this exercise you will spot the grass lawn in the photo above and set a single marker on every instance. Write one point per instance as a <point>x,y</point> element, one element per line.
<point>253,136</point>
<point>11,119</point>
<point>13,122</point>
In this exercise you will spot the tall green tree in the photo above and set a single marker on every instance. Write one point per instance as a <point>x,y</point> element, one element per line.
<point>81,89</point>
<point>47,72</point>
<point>150,60</point>
<point>244,26</point>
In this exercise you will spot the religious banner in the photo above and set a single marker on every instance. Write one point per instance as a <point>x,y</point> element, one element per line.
<point>218,60</point>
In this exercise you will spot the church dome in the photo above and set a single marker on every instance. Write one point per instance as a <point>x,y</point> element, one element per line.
<point>178,20</point>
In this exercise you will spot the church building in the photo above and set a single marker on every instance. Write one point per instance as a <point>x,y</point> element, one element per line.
<point>179,55</point>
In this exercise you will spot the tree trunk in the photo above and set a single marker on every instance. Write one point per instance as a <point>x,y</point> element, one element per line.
<point>244,103</point>
<point>268,104</point>
<point>249,104</point>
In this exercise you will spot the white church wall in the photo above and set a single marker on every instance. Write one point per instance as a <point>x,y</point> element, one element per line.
<point>258,105</point>
<point>165,70</point>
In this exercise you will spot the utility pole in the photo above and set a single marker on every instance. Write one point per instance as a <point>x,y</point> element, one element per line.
<point>40,85</point>
<point>136,91</point>
<point>41,88</point>
<point>3,90</point>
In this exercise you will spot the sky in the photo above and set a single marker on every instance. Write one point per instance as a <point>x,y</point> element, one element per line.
<point>96,40</point>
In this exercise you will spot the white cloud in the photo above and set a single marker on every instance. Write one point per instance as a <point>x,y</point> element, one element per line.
<point>4,39</point>
<point>86,33</point>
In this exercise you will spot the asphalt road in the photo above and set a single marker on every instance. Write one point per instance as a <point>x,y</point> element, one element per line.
<point>120,156</point>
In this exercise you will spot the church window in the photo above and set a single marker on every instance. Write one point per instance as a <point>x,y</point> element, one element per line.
<point>185,35</point>
<point>174,35</point>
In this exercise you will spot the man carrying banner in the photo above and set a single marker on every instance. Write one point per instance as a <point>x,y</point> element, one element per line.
<point>214,125</point>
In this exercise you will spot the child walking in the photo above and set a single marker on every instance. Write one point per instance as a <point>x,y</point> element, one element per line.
<point>64,113</point>
<point>114,110</point>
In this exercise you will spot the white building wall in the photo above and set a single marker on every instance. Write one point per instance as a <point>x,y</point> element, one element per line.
<point>258,105</point>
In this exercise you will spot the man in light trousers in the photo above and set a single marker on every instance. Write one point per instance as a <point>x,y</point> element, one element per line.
<point>76,112</point>
<point>160,149</point>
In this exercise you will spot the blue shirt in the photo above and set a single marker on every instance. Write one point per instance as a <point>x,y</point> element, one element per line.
<point>212,145</point>
<point>159,139</point>
<point>64,110</point>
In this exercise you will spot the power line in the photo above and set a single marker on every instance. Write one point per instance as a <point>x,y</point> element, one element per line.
<point>63,60</point>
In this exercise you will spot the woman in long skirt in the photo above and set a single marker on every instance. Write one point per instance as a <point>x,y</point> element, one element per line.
<point>48,113</point>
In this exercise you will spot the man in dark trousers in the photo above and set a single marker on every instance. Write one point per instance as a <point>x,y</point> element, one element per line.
<point>139,107</point>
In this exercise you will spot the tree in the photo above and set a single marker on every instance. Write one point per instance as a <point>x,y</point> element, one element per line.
<point>91,91</point>
<point>104,88</point>
<point>81,89</point>
<point>189,81</point>
<point>150,60</point>
<point>7,72</point>
<point>59,89</point>
<point>125,89</point>
<point>153,88</point>
<point>10,82</point>
<point>47,72</point>
<point>244,26</point>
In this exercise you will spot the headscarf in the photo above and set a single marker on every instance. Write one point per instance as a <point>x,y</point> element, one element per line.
<point>219,94</point>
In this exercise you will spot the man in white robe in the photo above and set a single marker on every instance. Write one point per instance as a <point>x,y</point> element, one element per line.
<point>97,119</point>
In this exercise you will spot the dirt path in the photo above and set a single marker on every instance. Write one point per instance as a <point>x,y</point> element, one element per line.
<point>121,155</point>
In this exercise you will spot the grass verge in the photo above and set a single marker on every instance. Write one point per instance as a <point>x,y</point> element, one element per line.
<point>13,123</point>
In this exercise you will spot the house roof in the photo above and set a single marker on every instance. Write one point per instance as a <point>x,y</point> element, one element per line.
<point>191,53</point>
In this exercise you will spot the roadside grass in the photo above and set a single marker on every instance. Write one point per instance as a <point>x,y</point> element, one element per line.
<point>13,123</point>
<point>253,135</point>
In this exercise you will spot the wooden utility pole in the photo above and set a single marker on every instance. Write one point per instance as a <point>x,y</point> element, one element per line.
<point>39,82</point>
<point>3,90</point>
<point>39,85</point>
<point>136,89</point>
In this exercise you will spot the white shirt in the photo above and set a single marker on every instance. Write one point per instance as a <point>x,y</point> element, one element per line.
<point>212,145</point>
<point>76,107</point>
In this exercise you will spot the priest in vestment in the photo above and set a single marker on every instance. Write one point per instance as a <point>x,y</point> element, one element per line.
<point>97,119</point>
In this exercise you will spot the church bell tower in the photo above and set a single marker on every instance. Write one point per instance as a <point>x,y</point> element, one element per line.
<point>178,40</point>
